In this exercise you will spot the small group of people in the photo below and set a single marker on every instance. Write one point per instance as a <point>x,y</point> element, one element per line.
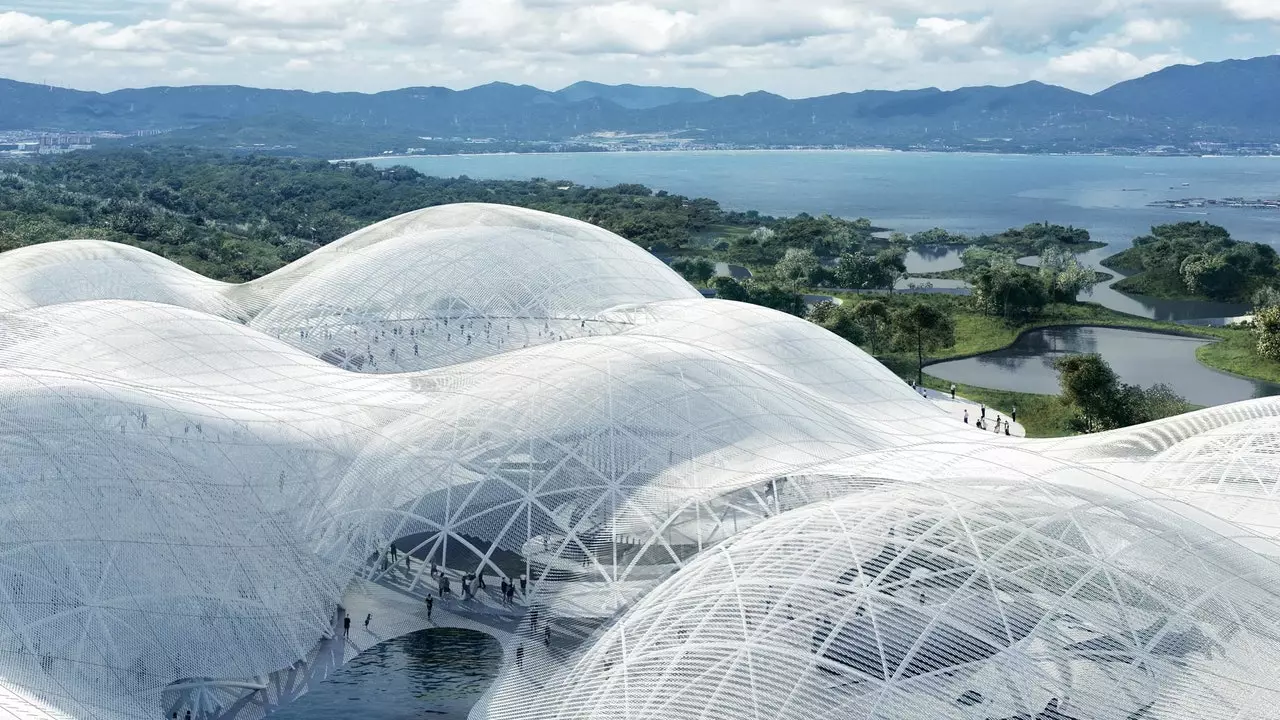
<point>346,624</point>
<point>1000,422</point>
<point>508,590</point>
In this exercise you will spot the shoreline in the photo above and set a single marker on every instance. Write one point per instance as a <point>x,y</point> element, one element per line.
<point>852,150</point>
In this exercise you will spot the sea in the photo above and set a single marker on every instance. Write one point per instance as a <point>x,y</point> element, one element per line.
<point>907,191</point>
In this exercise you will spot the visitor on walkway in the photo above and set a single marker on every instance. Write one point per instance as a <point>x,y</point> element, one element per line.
<point>984,412</point>
<point>533,620</point>
<point>1006,428</point>
<point>546,634</point>
<point>953,391</point>
<point>480,581</point>
<point>504,591</point>
<point>466,588</point>
<point>430,602</point>
<point>408,562</point>
<point>367,618</point>
<point>997,423</point>
<point>523,580</point>
<point>520,656</point>
<point>394,552</point>
<point>346,626</point>
<point>433,569</point>
<point>966,417</point>
<point>1014,414</point>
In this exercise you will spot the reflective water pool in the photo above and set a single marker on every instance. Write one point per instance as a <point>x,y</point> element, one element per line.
<point>427,674</point>
<point>1140,358</point>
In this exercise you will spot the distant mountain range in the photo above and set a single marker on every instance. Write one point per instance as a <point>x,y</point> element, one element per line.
<point>1233,104</point>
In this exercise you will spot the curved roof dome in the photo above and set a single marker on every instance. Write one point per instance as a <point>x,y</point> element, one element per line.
<point>959,599</point>
<point>427,296</point>
<point>71,270</point>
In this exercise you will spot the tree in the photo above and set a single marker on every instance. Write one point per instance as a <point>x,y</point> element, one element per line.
<point>857,271</point>
<point>729,289</point>
<point>892,264</point>
<point>1063,275</point>
<point>696,270</point>
<point>874,318</point>
<point>1004,288</point>
<point>1266,327</point>
<point>838,319</point>
<point>776,297</point>
<point>923,328</point>
<point>1089,383</point>
<point>1212,275</point>
<point>1159,401</point>
<point>798,268</point>
<point>1265,297</point>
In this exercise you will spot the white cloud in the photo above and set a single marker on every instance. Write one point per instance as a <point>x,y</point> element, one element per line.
<point>1253,9</point>
<point>1147,31</point>
<point>797,48</point>
<point>1097,67</point>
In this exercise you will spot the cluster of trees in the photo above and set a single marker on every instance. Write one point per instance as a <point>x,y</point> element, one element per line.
<point>770,295</point>
<point>235,217</point>
<point>857,270</point>
<point>1028,240</point>
<point>697,270</point>
<point>914,327</point>
<point>1015,292</point>
<point>1102,402</point>
<point>822,237</point>
<point>1196,259</point>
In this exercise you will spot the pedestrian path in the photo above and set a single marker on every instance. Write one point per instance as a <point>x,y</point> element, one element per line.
<point>956,408</point>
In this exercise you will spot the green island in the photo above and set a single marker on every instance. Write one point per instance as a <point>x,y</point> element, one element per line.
<point>1195,261</point>
<point>237,217</point>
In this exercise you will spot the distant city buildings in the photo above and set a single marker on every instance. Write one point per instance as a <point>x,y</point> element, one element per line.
<point>18,143</point>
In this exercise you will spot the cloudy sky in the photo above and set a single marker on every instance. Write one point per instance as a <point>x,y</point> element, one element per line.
<point>796,48</point>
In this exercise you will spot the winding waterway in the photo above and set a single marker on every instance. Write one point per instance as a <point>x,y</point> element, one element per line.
<point>1138,357</point>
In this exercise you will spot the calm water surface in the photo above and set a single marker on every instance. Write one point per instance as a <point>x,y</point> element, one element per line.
<point>428,674</point>
<point>915,191</point>
<point>1140,358</point>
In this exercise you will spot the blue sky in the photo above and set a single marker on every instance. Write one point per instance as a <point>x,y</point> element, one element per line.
<point>792,48</point>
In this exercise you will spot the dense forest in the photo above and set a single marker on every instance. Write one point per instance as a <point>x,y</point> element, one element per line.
<point>1196,260</point>
<point>237,217</point>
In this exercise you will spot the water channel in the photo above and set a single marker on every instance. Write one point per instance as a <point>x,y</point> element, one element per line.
<point>1138,357</point>
<point>431,673</point>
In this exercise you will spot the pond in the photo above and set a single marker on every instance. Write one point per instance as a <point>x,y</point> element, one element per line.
<point>1138,357</point>
<point>431,673</point>
<point>934,258</point>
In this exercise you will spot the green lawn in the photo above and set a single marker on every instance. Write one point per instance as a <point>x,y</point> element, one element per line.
<point>1237,353</point>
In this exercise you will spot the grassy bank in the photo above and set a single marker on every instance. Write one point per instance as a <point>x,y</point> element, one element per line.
<point>1045,415</point>
<point>1041,415</point>
<point>1237,353</point>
